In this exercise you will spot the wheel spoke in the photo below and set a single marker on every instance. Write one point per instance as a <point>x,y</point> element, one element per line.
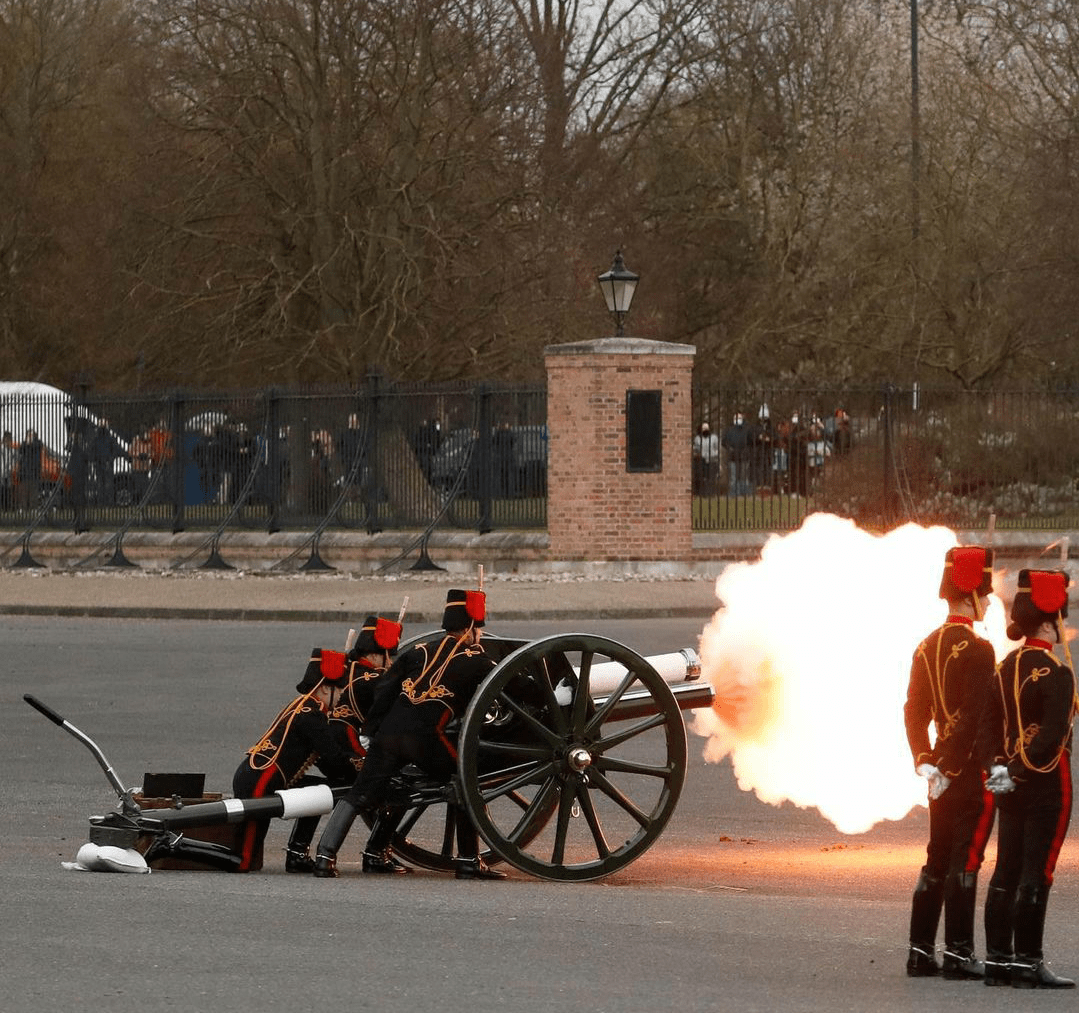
<point>540,729</point>
<point>561,830</point>
<point>617,738</point>
<point>581,697</point>
<point>601,714</point>
<point>612,764</point>
<point>491,789</point>
<point>619,798</point>
<point>536,808</point>
<point>488,748</point>
<point>410,820</point>
<point>550,701</point>
<point>592,818</point>
<point>449,833</point>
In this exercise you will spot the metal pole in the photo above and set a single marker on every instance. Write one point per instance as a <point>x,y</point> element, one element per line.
<point>915,127</point>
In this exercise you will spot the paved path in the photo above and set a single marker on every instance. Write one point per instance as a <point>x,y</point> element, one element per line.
<point>340,597</point>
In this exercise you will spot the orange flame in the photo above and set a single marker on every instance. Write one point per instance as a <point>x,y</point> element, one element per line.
<point>810,657</point>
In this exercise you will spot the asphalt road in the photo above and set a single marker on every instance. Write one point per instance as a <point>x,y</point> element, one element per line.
<point>740,906</point>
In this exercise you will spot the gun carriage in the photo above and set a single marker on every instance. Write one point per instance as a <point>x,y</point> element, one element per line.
<point>571,759</point>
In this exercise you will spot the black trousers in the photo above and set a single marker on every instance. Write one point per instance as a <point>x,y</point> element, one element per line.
<point>960,823</point>
<point>1034,820</point>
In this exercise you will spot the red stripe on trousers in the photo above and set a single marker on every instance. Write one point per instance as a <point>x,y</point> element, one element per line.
<point>247,842</point>
<point>1065,770</point>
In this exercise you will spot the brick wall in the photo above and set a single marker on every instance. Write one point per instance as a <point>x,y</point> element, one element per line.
<point>596,509</point>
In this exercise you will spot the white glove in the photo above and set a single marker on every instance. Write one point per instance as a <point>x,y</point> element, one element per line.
<point>938,783</point>
<point>365,742</point>
<point>1000,781</point>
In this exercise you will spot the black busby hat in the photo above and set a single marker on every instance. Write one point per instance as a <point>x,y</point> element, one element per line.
<point>464,609</point>
<point>376,635</point>
<point>324,664</point>
<point>1040,596</point>
<point>968,570</point>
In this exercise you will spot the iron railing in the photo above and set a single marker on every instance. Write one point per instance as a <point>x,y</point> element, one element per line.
<point>474,457</point>
<point>959,458</point>
<point>382,456</point>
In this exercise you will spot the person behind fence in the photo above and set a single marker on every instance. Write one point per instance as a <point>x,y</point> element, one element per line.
<point>78,453</point>
<point>29,465</point>
<point>798,456</point>
<point>1028,745</point>
<point>818,450</point>
<point>839,432</point>
<point>423,691</point>
<point>763,443</point>
<point>951,677</point>
<point>705,460</point>
<point>8,457</point>
<point>105,450</point>
<point>736,443</point>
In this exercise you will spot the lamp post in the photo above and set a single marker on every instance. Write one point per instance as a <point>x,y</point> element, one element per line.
<point>618,286</point>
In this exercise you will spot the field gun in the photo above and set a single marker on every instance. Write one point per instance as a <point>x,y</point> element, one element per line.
<point>572,756</point>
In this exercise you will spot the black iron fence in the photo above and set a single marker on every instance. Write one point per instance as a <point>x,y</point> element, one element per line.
<point>474,457</point>
<point>958,458</point>
<point>383,456</point>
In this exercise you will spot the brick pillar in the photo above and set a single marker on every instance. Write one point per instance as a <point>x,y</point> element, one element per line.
<point>598,507</point>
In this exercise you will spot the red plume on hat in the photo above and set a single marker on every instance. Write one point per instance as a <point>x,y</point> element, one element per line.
<point>376,635</point>
<point>324,665</point>
<point>968,570</point>
<point>464,609</point>
<point>1040,596</point>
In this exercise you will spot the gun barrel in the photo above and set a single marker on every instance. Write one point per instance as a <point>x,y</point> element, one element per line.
<point>288,804</point>
<point>674,668</point>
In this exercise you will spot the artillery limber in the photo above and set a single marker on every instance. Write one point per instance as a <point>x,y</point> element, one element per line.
<point>571,759</point>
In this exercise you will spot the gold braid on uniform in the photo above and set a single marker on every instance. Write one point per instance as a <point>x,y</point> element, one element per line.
<point>435,690</point>
<point>265,762</point>
<point>1025,734</point>
<point>935,673</point>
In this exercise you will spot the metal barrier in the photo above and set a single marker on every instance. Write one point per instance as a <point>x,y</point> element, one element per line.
<point>383,456</point>
<point>474,457</point>
<point>885,455</point>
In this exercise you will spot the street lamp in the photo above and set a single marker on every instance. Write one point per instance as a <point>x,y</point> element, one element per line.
<point>617,286</point>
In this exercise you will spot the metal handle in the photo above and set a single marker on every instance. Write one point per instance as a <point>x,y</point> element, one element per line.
<point>34,702</point>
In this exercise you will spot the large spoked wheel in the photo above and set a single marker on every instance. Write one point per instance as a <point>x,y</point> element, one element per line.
<point>590,738</point>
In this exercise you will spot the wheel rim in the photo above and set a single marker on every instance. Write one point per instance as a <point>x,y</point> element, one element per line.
<point>599,781</point>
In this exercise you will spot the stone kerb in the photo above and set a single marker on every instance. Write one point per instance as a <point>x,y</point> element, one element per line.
<point>596,508</point>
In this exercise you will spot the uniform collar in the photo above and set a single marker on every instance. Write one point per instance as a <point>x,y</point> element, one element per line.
<point>961,620</point>
<point>1034,642</point>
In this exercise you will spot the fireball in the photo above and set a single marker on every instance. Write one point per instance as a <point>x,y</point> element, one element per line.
<point>810,656</point>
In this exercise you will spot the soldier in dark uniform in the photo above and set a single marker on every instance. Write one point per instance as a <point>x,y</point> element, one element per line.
<point>1028,733</point>
<point>951,677</point>
<point>424,690</point>
<point>319,728</point>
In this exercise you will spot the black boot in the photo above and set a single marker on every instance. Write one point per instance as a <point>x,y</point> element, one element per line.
<point>377,857</point>
<point>924,917</point>
<point>999,923</point>
<point>297,851</point>
<point>1029,969</point>
<point>921,963</point>
<point>960,896</point>
<point>475,868</point>
<point>170,845</point>
<point>333,836</point>
<point>468,864</point>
